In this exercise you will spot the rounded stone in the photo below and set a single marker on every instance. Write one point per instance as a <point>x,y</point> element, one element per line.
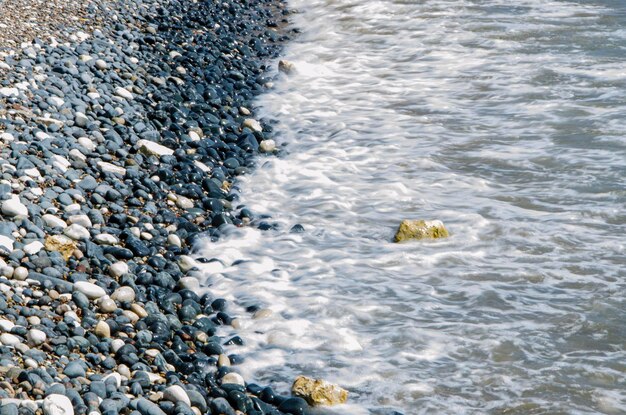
<point>92,291</point>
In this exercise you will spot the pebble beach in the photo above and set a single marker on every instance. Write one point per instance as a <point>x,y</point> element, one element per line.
<point>123,126</point>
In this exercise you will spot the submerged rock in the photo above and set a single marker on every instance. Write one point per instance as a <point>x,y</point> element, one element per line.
<point>420,229</point>
<point>318,392</point>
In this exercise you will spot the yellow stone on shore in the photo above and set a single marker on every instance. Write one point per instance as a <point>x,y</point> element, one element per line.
<point>420,229</point>
<point>318,392</point>
<point>60,243</point>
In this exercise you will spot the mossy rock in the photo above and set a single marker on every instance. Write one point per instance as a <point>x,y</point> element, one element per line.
<point>420,229</point>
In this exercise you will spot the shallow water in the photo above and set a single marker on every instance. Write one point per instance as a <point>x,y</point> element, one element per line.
<point>504,121</point>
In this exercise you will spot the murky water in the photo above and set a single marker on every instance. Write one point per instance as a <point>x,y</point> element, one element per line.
<point>507,121</point>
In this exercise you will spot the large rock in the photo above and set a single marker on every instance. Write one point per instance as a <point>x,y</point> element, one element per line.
<point>318,392</point>
<point>420,229</point>
<point>62,244</point>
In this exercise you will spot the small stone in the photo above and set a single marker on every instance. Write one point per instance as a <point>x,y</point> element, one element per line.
<point>74,370</point>
<point>13,207</point>
<point>318,392</point>
<point>105,239</point>
<point>118,269</point>
<point>176,394</point>
<point>267,146</point>
<point>6,325</point>
<point>54,221</point>
<point>151,148</point>
<point>124,93</point>
<point>8,339</point>
<point>262,313</point>
<point>186,263</point>
<point>184,202</point>
<point>138,310</point>
<point>86,143</point>
<point>20,274</point>
<point>6,244</point>
<point>9,92</point>
<point>107,305</point>
<point>189,283</point>
<point>286,66</point>
<point>77,232</point>
<point>102,330</point>
<point>223,360</point>
<point>233,378</point>
<point>92,291</point>
<point>173,239</point>
<point>111,168</point>
<point>62,244</point>
<point>420,229</point>
<point>124,294</point>
<point>82,220</point>
<point>33,247</point>
<point>252,124</point>
<point>100,64</point>
<point>56,404</point>
<point>81,120</point>
<point>36,337</point>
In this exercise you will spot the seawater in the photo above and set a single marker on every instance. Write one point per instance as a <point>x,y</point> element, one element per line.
<point>505,120</point>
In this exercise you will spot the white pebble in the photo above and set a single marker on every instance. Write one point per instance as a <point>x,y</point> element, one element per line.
<point>8,339</point>
<point>56,404</point>
<point>173,239</point>
<point>118,269</point>
<point>233,378</point>
<point>13,207</point>
<point>92,291</point>
<point>33,247</point>
<point>20,273</point>
<point>36,337</point>
<point>53,221</point>
<point>82,220</point>
<point>76,232</point>
<point>123,294</point>
<point>176,394</point>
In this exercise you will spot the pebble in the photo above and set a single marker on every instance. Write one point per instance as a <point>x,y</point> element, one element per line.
<point>176,394</point>
<point>252,124</point>
<point>6,243</point>
<point>77,232</point>
<point>152,148</point>
<point>33,247</point>
<point>20,273</point>
<point>8,339</point>
<point>267,146</point>
<point>100,64</point>
<point>124,294</point>
<point>102,329</point>
<point>56,404</point>
<point>118,269</point>
<point>36,337</point>
<point>14,207</point>
<point>54,221</point>
<point>233,378</point>
<point>124,93</point>
<point>107,305</point>
<point>92,291</point>
<point>105,239</point>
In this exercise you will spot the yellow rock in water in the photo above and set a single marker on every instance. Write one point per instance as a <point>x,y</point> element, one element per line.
<point>60,243</point>
<point>318,392</point>
<point>420,229</point>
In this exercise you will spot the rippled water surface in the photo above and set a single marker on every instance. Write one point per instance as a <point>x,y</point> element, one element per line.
<point>507,121</point>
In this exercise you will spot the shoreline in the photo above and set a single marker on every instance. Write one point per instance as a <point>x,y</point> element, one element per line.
<point>118,150</point>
